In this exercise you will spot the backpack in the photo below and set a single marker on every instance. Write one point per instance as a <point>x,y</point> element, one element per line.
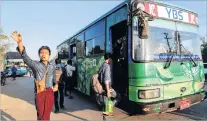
<point>67,74</point>
<point>64,74</point>
<point>96,85</point>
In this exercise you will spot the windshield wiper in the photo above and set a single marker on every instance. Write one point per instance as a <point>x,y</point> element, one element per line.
<point>194,64</point>
<point>167,65</point>
<point>180,45</point>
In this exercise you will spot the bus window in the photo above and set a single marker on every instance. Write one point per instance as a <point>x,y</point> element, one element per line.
<point>99,45</point>
<point>95,45</point>
<point>89,47</point>
<point>80,46</point>
<point>63,51</point>
<point>95,31</point>
<point>94,38</point>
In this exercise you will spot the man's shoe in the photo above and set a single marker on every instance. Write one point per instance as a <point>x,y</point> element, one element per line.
<point>71,97</point>
<point>56,111</point>
<point>62,107</point>
<point>107,114</point>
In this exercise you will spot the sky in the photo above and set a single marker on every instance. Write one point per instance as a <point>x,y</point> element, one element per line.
<point>52,22</point>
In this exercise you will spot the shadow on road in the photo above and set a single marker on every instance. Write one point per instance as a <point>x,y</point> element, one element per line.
<point>75,116</point>
<point>78,103</point>
<point>23,88</point>
<point>195,112</point>
<point>5,116</point>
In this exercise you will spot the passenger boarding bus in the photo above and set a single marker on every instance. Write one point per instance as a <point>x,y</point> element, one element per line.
<point>157,63</point>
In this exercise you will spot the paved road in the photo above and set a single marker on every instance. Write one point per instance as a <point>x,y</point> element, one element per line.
<point>17,103</point>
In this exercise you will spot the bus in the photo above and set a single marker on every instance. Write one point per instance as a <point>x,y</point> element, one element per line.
<point>14,58</point>
<point>157,63</point>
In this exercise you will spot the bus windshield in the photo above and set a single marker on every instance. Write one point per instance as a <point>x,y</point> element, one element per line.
<point>163,42</point>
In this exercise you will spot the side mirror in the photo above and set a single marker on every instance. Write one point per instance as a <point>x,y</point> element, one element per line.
<point>143,28</point>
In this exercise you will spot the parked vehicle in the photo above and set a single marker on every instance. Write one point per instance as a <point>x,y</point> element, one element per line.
<point>155,46</point>
<point>21,71</point>
<point>3,77</point>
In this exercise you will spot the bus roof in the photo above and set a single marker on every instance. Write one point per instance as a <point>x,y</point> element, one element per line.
<point>103,16</point>
<point>121,5</point>
<point>13,55</point>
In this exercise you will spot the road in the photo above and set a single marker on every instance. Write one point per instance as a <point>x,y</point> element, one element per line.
<point>17,103</point>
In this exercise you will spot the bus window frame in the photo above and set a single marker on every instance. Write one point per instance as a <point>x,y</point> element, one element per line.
<point>104,34</point>
<point>83,42</point>
<point>62,45</point>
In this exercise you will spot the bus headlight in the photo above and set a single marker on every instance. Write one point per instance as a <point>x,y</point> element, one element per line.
<point>149,94</point>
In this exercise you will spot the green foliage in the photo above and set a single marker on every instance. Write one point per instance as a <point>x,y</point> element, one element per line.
<point>203,45</point>
<point>3,47</point>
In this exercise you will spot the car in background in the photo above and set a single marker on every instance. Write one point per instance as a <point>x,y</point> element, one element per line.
<point>21,71</point>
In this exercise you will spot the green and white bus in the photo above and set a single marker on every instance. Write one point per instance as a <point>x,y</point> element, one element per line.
<point>157,63</point>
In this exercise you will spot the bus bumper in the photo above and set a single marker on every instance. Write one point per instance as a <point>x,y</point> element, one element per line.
<point>168,105</point>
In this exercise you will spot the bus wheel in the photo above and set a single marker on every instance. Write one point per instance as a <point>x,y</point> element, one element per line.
<point>132,108</point>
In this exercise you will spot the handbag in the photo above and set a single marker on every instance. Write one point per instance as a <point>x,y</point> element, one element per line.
<point>40,85</point>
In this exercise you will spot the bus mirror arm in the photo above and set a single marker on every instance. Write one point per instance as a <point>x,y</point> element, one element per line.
<point>151,17</point>
<point>141,13</point>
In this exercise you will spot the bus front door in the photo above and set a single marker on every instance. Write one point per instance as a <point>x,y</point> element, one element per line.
<point>74,63</point>
<point>120,63</point>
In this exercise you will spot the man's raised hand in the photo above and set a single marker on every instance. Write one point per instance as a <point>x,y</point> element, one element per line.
<point>16,36</point>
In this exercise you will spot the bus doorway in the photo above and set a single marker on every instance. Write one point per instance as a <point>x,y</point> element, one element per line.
<point>120,63</point>
<point>74,62</point>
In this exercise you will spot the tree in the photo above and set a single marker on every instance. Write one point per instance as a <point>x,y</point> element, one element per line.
<point>3,47</point>
<point>203,45</point>
<point>204,48</point>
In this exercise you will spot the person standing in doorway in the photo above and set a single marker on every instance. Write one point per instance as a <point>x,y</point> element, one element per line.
<point>14,72</point>
<point>69,70</point>
<point>74,76</point>
<point>74,59</point>
<point>44,75</point>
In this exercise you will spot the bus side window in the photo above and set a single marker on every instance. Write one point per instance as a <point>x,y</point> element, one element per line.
<point>80,44</point>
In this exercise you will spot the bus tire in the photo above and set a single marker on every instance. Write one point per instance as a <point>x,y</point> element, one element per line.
<point>132,108</point>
